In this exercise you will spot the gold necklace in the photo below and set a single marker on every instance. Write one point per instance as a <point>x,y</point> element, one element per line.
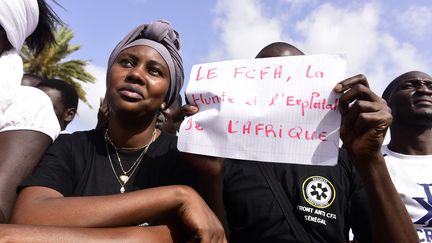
<point>145,148</point>
<point>124,178</point>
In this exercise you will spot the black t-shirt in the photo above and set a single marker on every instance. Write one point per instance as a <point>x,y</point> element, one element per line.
<point>327,201</point>
<point>77,165</point>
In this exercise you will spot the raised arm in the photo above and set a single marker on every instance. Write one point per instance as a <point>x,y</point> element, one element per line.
<point>45,206</point>
<point>365,119</point>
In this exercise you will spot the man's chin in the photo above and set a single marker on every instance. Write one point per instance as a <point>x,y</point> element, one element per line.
<point>424,118</point>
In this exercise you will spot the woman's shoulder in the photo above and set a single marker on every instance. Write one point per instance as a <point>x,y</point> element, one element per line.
<point>165,144</point>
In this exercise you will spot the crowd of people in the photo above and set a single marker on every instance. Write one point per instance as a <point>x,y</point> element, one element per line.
<point>126,181</point>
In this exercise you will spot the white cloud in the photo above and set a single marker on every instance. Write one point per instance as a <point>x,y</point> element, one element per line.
<point>333,30</point>
<point>370,48</point>
<point>403,57</point>
<point>360,31</point>
<point>87,117</point>
<point>243,29</point>
<point>298,3</point>
<point>416,20</point>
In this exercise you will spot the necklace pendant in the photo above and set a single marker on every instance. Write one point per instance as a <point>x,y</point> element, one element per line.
<point>124,178</point>
<point>122,190</point>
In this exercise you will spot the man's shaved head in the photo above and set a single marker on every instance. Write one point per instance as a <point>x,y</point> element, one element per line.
<point>279,49</point>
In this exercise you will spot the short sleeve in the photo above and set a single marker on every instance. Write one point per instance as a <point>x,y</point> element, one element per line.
<point>31,109</point>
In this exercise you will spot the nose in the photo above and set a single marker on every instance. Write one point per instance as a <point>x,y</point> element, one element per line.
<point>136,75</point>
<point>425,87</point>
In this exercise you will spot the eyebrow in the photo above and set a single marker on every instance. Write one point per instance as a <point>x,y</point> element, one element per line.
<point>133,55</point>
<point>419,80</point>
<point>152,62</point>
<point>156,63</point>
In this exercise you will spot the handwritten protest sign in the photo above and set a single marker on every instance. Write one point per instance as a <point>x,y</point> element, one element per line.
<point>272,109</point>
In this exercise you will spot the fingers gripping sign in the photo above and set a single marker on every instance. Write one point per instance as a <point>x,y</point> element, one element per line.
<point>365,117</point>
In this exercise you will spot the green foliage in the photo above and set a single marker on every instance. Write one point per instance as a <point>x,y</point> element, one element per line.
<point>52,62</point>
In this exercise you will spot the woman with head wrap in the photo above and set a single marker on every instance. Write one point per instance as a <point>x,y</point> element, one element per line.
<point>27,120</point>
<point>130,173</point>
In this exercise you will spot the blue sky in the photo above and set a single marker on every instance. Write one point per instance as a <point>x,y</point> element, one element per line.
<point>381,39</point>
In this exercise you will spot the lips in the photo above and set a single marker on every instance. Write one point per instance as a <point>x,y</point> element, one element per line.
<point>423,101</point>
<point>131,92</point>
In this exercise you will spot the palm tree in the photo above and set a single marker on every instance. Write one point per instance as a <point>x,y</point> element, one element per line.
<point>51,63</point>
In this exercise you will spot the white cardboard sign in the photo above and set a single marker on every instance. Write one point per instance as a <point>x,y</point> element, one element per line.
<point>279,109</point>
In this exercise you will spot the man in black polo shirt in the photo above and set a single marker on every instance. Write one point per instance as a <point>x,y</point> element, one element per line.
<point>325,201</point>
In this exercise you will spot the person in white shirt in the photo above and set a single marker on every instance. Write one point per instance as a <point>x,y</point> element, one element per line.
<point>28,124</point>
<point>409,153</point>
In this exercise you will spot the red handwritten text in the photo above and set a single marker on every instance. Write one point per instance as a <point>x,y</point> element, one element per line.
<point>193,125</point>
<point>270,130</point>
<point>211,73</point>
<point>263,73</point>
<point>313,103</point>
<point>314,74</point>
<point>209,98</point>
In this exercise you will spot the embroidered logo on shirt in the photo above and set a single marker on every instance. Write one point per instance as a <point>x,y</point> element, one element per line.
<point>318,191</point>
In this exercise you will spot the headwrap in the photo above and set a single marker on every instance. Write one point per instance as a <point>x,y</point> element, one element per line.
<point>19,18</point>
<point>165,40</point>
<point>11,69</point>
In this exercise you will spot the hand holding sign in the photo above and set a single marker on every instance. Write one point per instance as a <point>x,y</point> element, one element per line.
<point>274,109</point>
<point>365,118</point>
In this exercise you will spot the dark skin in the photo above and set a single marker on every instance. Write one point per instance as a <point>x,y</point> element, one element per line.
<point>64,115</point>
<point>169,119</point>
<point>45,234</point>
<point>137,84</point>
<point>369,117</point>
<point>411,104</point>
<point>103,114</point>
<point>20,150</point>
<point>211,169</point>
<point>209,175</point>
<point>279,49</point>
<point>4,42</point>
<point>363,128</point>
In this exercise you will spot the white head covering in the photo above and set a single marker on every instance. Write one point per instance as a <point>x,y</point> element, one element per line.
<point>19,18</point>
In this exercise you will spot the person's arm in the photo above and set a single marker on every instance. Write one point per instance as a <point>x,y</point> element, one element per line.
<point>210,172</point>
<point>45,206</point>
<point>45,234</point>
<point>20,151</point>
<point>365,119</point>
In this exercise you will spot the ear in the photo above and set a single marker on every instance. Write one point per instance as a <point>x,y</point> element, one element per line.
<point>69,115</point>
